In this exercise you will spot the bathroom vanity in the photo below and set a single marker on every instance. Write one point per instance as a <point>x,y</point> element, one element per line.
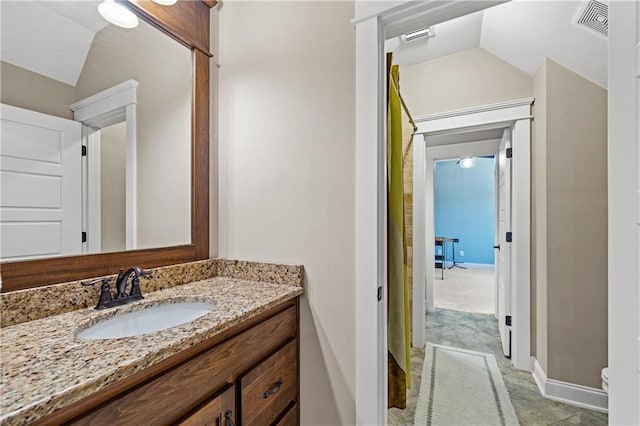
<point>237,364</point>
<point>256,360</point>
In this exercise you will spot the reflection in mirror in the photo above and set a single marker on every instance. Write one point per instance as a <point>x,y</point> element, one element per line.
<point>113,184</point>
<point>95,143</point>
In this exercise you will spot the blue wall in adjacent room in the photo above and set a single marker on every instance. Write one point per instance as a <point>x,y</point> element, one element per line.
<point>465,208</point>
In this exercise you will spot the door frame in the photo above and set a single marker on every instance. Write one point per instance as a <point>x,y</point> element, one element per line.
<point>514,115</point>
<point>423,222</point>
<point>111,106</point>
<point>382,21</point>
<point>623,170</point>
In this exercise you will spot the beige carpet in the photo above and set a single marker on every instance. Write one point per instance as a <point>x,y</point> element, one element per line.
<point>467,290</point>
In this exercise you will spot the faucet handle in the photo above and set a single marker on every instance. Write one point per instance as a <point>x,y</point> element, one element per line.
<point>145,273</point>
<point>105,291</point>
<point>96,281</point>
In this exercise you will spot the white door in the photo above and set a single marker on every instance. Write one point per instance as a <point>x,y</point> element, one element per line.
<point>503,254</point>
<point>40,185</point>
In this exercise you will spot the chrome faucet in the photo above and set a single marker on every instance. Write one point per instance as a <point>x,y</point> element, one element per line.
<point>107,300</point>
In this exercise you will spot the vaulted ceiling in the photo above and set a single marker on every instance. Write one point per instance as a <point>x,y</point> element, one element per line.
<point>49,37</point>
<point>522,33</point>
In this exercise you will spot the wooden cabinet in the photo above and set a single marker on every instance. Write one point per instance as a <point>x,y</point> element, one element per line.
<point>268,389</point>
<point>290,417</point>
<point>219,411</point>
<point>246,375</point>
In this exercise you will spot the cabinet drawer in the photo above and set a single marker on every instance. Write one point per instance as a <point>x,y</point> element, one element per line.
<point>266,390</point>
<point>169,396</point>
<point>290,418</point>
<point>219,411</point>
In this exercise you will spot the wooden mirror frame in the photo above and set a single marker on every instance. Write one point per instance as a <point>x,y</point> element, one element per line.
<point>187,21</point>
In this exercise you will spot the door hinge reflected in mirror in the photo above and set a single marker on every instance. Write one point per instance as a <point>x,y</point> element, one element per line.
<point>509,152</point>
<point>507,320</point>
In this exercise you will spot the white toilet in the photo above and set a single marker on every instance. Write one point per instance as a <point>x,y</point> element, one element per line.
<point>605,379</point>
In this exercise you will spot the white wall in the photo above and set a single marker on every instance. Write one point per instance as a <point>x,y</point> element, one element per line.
<point>286,173</point>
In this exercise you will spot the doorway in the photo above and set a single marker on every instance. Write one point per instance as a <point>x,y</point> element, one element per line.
<point>465,222</point>
<point>476,132</point>
<point>377,22</point>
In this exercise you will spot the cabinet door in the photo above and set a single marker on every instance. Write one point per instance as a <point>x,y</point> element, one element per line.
<point>219,411</point>
<point>270,387</point>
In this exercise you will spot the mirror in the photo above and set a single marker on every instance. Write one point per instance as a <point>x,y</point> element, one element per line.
<point>95,151</point>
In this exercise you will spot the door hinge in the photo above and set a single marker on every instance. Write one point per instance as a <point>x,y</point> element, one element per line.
<point>509,236</point>
<point>379,293</point>
<point>509,152</point>
<point>84,237</point>
<point>507,320</point>
<point>84,150</point>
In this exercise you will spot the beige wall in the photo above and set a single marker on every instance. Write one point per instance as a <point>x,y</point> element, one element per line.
<point>470,78</point>
<point>576,222</point>
<point>569,210</point>
<point>466,79</point>
<point>26,89</point>
<point>287,182</point>
<point>162,67</point>
<point>213,141</point>
<point>539,217</point>
<point>113,140</point>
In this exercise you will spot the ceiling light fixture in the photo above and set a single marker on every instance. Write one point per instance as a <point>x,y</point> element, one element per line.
<point>165,2</point>
<point>117,14</point>
<point>423,33</point>
<point>467,163</point>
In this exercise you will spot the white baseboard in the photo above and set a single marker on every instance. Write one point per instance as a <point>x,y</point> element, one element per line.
<point>569,393</point>
<point>490,266</point>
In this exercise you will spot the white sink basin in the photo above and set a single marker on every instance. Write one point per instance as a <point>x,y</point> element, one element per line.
<point>147,320</point>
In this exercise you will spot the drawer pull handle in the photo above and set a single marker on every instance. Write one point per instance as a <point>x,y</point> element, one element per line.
<point>273,390</point>
<point>229,417</point>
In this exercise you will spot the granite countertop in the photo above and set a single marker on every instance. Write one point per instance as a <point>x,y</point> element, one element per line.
<point>46,367</point>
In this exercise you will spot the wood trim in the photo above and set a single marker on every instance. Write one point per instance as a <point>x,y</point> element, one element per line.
<point>210,3</point>
<point>200,156</point>
<point>188,22</point>
<point>297,406</point>
<point>98,398</point>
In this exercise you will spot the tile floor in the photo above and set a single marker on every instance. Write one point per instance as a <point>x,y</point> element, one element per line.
<point>480,333</point>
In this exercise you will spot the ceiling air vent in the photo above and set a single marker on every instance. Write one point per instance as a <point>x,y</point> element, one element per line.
<point>594,16</point>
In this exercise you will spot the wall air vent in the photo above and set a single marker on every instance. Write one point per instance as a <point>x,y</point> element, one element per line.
<point>423,33</point>
<point>594,15</point>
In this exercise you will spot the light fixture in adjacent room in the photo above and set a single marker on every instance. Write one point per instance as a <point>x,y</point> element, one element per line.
<point>165,2</point>
<point>467,163</point>
<point>415,35</point>
<point>117,14</point>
